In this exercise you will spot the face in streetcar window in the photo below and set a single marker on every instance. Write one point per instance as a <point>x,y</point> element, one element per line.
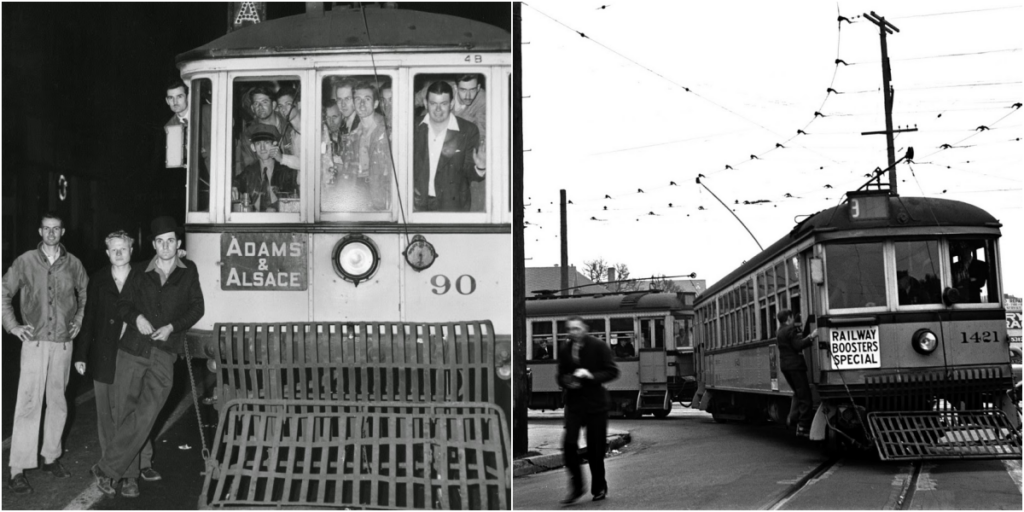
<point>855,275</point>
<point>450,161</point>
<point>356,166</point>
<point>973,269</point>
<point>266,168</point>
<point>196,118</point>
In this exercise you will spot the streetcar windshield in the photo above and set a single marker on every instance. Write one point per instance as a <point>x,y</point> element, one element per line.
<point>856,275</point>
<point>917,272</point>
<point>973,270</point>
<point>357,170</point>
<point>265,162</point>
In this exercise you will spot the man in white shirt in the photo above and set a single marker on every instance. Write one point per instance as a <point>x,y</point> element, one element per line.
<point>442,166</point>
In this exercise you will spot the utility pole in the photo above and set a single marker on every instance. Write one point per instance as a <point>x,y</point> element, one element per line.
<point>565,242</point>
<point>887,93</point>
<point>520,429</point>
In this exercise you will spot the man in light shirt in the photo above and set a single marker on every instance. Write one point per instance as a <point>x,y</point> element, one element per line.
<point>447,156</point>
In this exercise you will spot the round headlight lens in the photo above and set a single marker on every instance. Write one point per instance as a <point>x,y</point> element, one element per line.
<point>925,341</point>
<point>356,258</point>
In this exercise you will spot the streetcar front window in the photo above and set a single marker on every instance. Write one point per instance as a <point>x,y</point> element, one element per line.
<point>450,143</point>
<point>855,274</point>
<point>267,138</point>
<point>357,169</point>
<point>917,272</point>
<point>973,266</point>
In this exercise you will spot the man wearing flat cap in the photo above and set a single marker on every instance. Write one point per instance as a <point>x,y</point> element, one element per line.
<point>160,300</point>
<point>266,180</point>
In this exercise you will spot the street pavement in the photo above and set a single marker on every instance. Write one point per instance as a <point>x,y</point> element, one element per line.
<point>177,457</point>
<point>687,461</point>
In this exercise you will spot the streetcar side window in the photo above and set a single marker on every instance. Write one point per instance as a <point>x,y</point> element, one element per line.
<point>622,336</point>
<point>543,340</point>
<point>917,272</point>
<point>357,169</point>
<point>450,143</point>
<point>198,133</point>
<point>974,271</point>
<point>265,164</point>
<point>855,275</point>
<point>683,332</point>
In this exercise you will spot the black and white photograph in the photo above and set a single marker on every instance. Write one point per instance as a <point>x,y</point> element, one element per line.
<point>765,258</point>
<point>257,255</point>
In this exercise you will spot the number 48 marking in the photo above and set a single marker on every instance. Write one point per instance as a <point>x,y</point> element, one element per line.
<point>464,284</point>
<point>474,58</point>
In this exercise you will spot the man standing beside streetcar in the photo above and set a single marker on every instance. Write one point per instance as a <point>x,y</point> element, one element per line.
<point>585,364</point>
<point>52,285</point>
<point>160,300</point>
<point>96,348</point>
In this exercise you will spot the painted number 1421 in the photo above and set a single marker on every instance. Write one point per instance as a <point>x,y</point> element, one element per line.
<point>982,337</point>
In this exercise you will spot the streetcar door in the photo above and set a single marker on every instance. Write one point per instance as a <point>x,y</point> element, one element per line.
<point>652,351</point>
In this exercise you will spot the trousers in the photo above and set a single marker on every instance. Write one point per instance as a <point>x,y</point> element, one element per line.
<point>142,385</point>
<point>803,410</point>
<point>106,417</point>
<point>44,372</point>
<point>596,424</point>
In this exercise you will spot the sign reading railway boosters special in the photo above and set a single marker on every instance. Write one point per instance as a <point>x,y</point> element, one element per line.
<point>263,261</point>
<point>855,347</point>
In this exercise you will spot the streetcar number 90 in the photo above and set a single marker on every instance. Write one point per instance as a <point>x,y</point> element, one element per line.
<point>980,337</point>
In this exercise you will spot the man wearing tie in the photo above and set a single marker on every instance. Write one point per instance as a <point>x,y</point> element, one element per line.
<point>266,180</point>
<point>584,365</point>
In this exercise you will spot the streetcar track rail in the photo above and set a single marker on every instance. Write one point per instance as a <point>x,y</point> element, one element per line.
<point>909,488</point>
<point>801,483</point>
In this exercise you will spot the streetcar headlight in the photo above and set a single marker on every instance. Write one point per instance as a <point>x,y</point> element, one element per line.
<point>925,342</point>
<point>503,363</point>
<point>356,258</point>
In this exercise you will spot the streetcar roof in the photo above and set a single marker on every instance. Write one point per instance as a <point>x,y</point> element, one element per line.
<point>904,212</point>
<point>342,30</point>
<point>611,303</point>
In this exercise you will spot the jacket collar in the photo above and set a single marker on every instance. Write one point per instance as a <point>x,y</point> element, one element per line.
<point>61,251</point>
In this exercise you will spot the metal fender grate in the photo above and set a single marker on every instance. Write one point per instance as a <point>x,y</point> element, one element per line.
<point>357,361</point>
<point>307,453</point>
<point>984,434</point>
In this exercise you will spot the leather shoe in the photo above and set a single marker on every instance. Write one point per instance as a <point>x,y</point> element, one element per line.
<point>19,484</point>
<point>56,469</point>
<point>150,475</point>
<point>130,488</point>
<point>572,497</point>
<point>105,484</point>
<point>601,495</point>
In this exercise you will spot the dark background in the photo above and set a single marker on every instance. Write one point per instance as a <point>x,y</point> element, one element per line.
<point>83,91</point>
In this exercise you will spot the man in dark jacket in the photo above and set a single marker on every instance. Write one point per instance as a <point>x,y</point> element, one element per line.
<point>447,155</point>
<point>160,301</point>
<point>96,350</point>
<point>794,369</point>
<point>584,365</point>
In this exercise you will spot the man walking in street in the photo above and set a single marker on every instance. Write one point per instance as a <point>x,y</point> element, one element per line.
<point>161,299</point>
<point>584,365</point>
<point>53,288</point>
<point>794,369</point>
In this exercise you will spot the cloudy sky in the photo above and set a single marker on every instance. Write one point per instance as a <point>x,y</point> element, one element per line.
<point>659,92</point>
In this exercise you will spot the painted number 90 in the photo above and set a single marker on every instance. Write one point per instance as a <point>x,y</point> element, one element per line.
<point>464,284</point>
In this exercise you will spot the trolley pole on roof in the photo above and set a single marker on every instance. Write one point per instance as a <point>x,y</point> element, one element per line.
<point>885,27</point>
<point>520,429</point>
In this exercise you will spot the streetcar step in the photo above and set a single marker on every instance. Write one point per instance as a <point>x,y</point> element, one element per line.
<point>979,434</point>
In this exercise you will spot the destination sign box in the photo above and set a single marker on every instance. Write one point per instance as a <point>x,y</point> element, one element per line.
<point>855,347</point>
<point>263,261</point>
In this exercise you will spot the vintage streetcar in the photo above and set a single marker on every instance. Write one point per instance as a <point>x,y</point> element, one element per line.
<point>357,319</point>
<point>649,334</point>
<point>912,355</point>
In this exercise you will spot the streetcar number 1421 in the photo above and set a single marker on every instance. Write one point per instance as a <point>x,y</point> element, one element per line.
<point>980,337</point>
